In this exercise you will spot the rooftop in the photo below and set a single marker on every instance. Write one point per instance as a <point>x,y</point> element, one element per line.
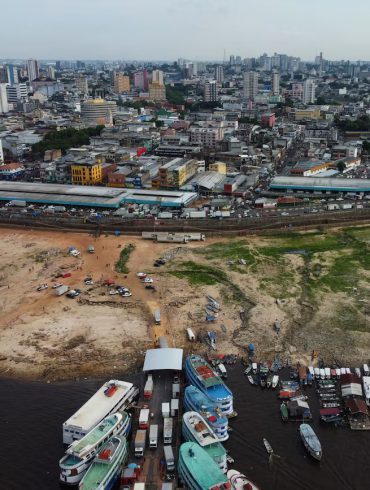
<point>163,359</point>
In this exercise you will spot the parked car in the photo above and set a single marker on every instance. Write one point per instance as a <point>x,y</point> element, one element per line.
<point>113,291</point>
<point>149,286</point>
<point>88,282</point>
<point>56,285</point>
<point>148,280</point>
<point>73,293</point>
<point>41,287</point>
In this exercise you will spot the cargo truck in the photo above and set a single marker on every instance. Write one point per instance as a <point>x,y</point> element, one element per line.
<point>167,430</point>
<point>153,436</point>
<point>165,410</point>
<point>170,460</point>
<point>144,418</point>
<point>157,316</point>
<point>140,440</point>
<point>148,388</point>
<point>61,290</point>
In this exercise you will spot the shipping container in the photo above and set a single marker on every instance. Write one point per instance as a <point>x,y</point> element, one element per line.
<point>157,316</point>
<point>197,214</point>
<point>175,390</point>
<point>165,215</point>
<point>61,290</point>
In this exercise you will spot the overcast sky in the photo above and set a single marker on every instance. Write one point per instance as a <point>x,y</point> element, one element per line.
<point>192,29</point>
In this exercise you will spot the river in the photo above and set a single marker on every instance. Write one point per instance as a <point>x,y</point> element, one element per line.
<point>32,413</point>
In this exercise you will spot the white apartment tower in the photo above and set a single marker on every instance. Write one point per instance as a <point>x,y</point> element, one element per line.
<point>210,91</point>
<point>309,91</point>
<point>275,82</point>
<point>157,77</point>
<point>219,73</point>
<point>32,69</point>
<point>1,153</point>
<point>4,107</point>
<point>250,84</point>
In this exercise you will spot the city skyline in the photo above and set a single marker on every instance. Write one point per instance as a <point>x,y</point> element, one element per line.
<point>168,29</point>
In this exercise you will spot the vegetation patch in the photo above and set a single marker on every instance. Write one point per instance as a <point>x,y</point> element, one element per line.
<point>198,274</point>
<point>123,259</point>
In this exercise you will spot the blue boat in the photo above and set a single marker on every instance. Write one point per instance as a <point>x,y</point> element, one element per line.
<point>195,400</point>
<point>200,374</point>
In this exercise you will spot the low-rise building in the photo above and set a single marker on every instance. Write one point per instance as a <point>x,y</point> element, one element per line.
<point>11,171</point>
<point>86,172</point>
<point>176,172</point>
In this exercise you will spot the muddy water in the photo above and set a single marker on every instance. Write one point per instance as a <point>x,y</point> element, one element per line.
<point>31,416</point>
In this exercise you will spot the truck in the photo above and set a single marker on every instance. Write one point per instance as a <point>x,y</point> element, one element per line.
<point>165,215</point>
<point>17,204</point>
<point>165,410</point>
<point>140,440</point>
<point>163,344</point>
<point>167,430</point>
<point>168,456</point>
<point>153,436</point>
<point>157,316</point>
<point>191,335</point>
<point>148,388</point>
<point>60,209</point>
<point>61,290</point>
<point>174,407</point>
<point>197,214</point>
<point>144,418</point>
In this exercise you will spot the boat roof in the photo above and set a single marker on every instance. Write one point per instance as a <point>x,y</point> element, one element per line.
<point>204,372</point>
<point>204,470</point>
<point>84,445</point>
<point>312,440</point>
<point>99,405</point>
<point>199,428</point>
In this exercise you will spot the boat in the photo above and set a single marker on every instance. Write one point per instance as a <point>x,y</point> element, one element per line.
<point>358,372</point>
<point>322,373</point>
<point>229,458</point>
<point>330,404</point>
<point>267,446</point>
<point>310,441</point>
<point>196,429</point>
<point>107,465</point>
<point>196,400</point>
<point>269,381</point>
<point>327,373</point>
<point>333,373</point>
<point>286,394</point>
<point>198,471</point>
<point>292,385</point>
<point>263,380</point>
<point>284,412</point>
<point>222,370</point>
<point>338,371</point>
<point>112,397</point>
<point>81,453</point>
<point>201,375</point>
<point>317,372</point>
<point>240,482</point>
<point>275,381</point>
<point>248,370</point>
<point>309,378</point>
<point>250,379</point>
<point>254,367</point>
<point>302,373</point>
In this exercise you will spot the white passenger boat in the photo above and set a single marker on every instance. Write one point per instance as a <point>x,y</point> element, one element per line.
<point>112,397</point>
<point>196,429</point>
<point>80,454</point>
<point>275,381</point>
<point>342,370</point>
<point>240,482</point>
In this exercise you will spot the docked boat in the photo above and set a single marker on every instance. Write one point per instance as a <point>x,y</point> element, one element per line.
<point>112,397</point>
<point>107,465</point>
<point>251,380</point>
<point>310,441</point>
<point>222,370</point>
<point>196,400</point>
<point>248,369</point>
<point>254,367</point>
<point>81,453</point>
<point>275,381</point>
<point>201,375</point>
<point>198,471</point>
<point>196,429</point>
<point>240,482</point>
<point>284,412</point>
<point>263,380</point>
<point>267,446</point>
<point>358,372</point>
<point>269,381</point>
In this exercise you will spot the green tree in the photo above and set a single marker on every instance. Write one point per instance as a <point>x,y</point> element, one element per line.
<point>341,166</point>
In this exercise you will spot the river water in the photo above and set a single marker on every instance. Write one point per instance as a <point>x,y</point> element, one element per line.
<point>32,413</point>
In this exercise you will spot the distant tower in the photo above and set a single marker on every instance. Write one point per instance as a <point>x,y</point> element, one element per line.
<point>219,74</point>
<point>32,69</point>
<point>275,82</point>
<point>1,153</point>
<point>250,84</point>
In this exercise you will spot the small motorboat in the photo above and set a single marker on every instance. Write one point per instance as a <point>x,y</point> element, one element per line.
<point>284,412</point>
<point>222,370</point>
<point>250,379</point>
<point>275,381</point>
<point>269,381</point>
<point>239,481</point>
<point>254,367</point>
<point>229,459</point>
<point>333,373</point>
<point>248,370</point>
<point>268,446</point>
<point>263,380</point>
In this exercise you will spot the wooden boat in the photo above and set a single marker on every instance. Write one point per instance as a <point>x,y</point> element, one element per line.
<point>269,381</point>
<point>275,381</point>
<point>284,412</point>
<point>250,379</point>
<point>311,441</point>
<point>263,380</point>
<point>358,372</point>
<point>268,446</point>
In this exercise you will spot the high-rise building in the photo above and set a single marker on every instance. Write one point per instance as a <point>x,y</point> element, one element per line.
<point>51,72</point>
<point>121,83</point>
<point>32,70</point>
<point>210,91</point>
<point>232,60</point>
<point>17,93</point>
<point>157,91</point>
<point>81,84</point>
<point>4,107</point>
<point>250,84</point>
<point>275,83</point>
<point>297,91</point>
<point>98,111</point>
<point>309,89</point>
<point>1,153</point>
<point>219,73</point>
<point>12,74</point>
<point>58,65</point>
<point>141,80</point>
<point>157,77</point>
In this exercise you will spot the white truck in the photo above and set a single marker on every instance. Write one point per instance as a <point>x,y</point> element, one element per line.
<point>170,460</point>
<point>167,430</point>
<point>61,290</point>
<point>140,440</point>
<point>153,436</point>
<point>165,410</point>
<point>144,418</point>
<point>157,316</point>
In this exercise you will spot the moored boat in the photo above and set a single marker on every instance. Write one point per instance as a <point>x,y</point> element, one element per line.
<point>269,381</point>
<point>310,441</point>
<point>81,453</point>
<point>106,467</point>
<point>200,374</point>
<point>275,381</point>
<point>240,482</point>
<point>284,412</point>
<point>254,367</point>
<point>250,379</point>
<point>267,446</point>
<point>196,429</point>
<point>248,369</point>
<point>198,471</point>
<point>196,400</point>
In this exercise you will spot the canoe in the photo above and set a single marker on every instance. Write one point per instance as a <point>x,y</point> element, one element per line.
<point>268,446</point>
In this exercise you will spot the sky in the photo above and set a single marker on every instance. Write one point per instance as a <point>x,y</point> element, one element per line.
<point>190,29</point>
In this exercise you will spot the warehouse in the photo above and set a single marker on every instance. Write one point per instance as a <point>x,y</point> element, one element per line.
<point>319,185</point>
<point>90,196</point>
